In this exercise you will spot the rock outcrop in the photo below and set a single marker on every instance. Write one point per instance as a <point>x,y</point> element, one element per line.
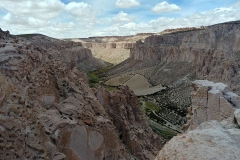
<point>211,101</point>
<point>213,131</point>
<point>211,140</point>
<point>123,108</point>
<point>4,34</point>
<point>48,111</point>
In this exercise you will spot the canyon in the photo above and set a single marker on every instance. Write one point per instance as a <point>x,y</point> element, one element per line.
<point>167,95</point>
<point>48,110</point>
<point>174,58</point>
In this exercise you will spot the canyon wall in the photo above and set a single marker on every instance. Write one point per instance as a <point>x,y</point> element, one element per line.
<point>112,49</point>
<point>48,110</point>
<point>211,52</point>
<point>110,52</point>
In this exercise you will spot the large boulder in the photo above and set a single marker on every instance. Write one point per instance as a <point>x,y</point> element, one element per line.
<point>211,140</point>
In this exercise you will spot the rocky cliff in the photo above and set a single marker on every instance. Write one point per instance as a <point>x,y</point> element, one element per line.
<point>214,126</point>
<point>123,107</point>
<point>48,111</point>
<point>112,49</point>
<point>72,53</point>
<point>211,52</point>
<point>109,51</point>
<point>211,101</point>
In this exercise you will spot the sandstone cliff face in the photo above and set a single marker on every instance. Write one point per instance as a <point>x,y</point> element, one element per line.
<point>211,53</point>
<point>48,111</point>
<point>110,45</point>
<point>214,126</point>
<point>111,52</point>
<point>113,49</point>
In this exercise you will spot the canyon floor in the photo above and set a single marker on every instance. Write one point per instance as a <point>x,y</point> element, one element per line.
<point>159,103</point>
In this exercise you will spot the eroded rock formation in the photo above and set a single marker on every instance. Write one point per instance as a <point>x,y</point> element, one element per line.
<point>123,107</point>
<point>211,101</point>
<point>214,132</point>
<point>48,111</point>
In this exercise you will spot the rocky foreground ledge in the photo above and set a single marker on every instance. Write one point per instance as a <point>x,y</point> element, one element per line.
<point>213,130</point>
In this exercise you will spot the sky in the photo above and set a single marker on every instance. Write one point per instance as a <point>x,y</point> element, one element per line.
<point>86,18</point>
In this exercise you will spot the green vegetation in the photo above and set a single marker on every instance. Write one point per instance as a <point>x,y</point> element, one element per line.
<point>152,106</point>
<point>93,79</point>
<point>109,88</point>
<point>101,72</point>
<point>238,126</point>
<point>97,76</point>
<point>166,134</point>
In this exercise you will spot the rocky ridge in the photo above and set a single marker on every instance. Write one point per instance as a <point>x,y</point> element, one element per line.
<point>48,111</point>
<point>213,132</point>
<point>72,53</point>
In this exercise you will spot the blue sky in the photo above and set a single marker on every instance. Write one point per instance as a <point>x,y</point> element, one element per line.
<point>84,18</point>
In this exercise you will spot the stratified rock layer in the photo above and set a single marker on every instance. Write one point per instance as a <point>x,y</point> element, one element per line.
<point>48,111</point>
<point>112,49</point>
<point>212,53</point>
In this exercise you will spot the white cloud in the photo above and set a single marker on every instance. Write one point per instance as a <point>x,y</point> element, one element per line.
<point>165,7</point>
<point>122,17</point>
<point>23,21</point>
<point>45,9</point>
<point>50,17</point>
<point>126,3</point>
<point>80,19</point>
<point>217,15</point>
<point>80,9</point>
